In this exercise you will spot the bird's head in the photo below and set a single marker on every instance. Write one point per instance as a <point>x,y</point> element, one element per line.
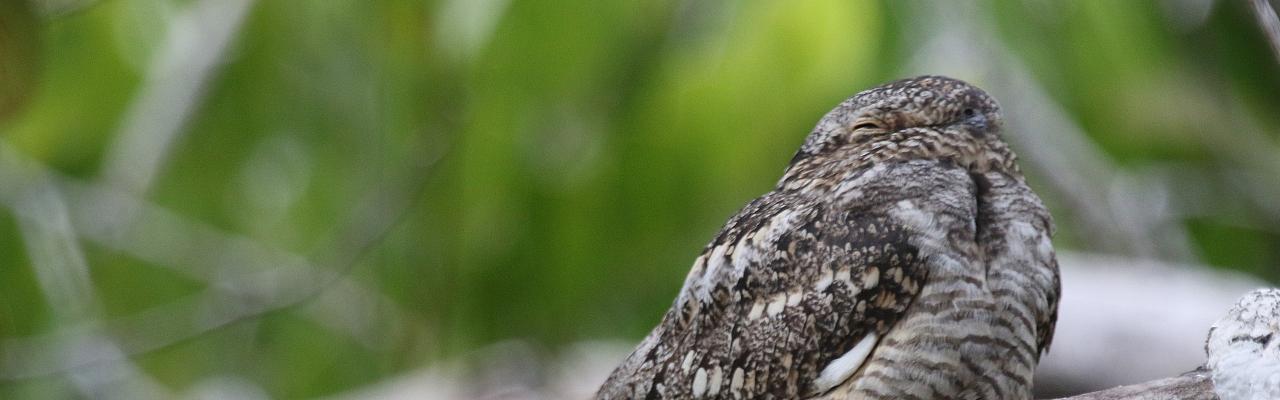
<point>922,117</point>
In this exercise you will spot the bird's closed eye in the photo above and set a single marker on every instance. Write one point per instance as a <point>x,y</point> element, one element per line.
<point>864,124</point>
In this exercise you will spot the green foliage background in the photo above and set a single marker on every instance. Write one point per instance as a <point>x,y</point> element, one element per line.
<point>588,150</point>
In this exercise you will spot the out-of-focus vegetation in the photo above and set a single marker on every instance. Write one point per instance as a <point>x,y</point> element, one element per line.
<point>165,160</point>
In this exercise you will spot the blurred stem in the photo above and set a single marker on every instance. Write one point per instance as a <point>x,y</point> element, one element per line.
<point>220,306</point>
<point>1269,23</point>
<point>174,87</point>
<point>52,9</point>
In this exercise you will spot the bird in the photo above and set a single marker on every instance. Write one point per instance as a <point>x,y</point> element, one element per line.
<point>1244,348</point>
<point>901,255</point>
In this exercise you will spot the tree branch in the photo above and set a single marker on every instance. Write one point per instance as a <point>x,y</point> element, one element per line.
<point>1241,359</point>
<point>1194,385</point>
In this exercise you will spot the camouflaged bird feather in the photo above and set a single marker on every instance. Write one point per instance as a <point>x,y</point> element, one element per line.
<point>901,255</point>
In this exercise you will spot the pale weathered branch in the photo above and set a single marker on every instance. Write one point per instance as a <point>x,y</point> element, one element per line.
<point>1124,320</point>
<point>1243,362</point>
<point>1195,385</point>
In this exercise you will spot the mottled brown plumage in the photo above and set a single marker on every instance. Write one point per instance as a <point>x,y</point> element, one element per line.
<point>901,255</point>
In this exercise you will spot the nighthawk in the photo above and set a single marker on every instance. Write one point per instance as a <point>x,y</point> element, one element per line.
<point>900,256</point>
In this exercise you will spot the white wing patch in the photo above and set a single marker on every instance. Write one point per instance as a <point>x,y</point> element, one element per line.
<point>842,368</point>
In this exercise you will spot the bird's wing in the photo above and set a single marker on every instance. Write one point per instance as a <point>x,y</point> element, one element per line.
<point>791,296</point>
